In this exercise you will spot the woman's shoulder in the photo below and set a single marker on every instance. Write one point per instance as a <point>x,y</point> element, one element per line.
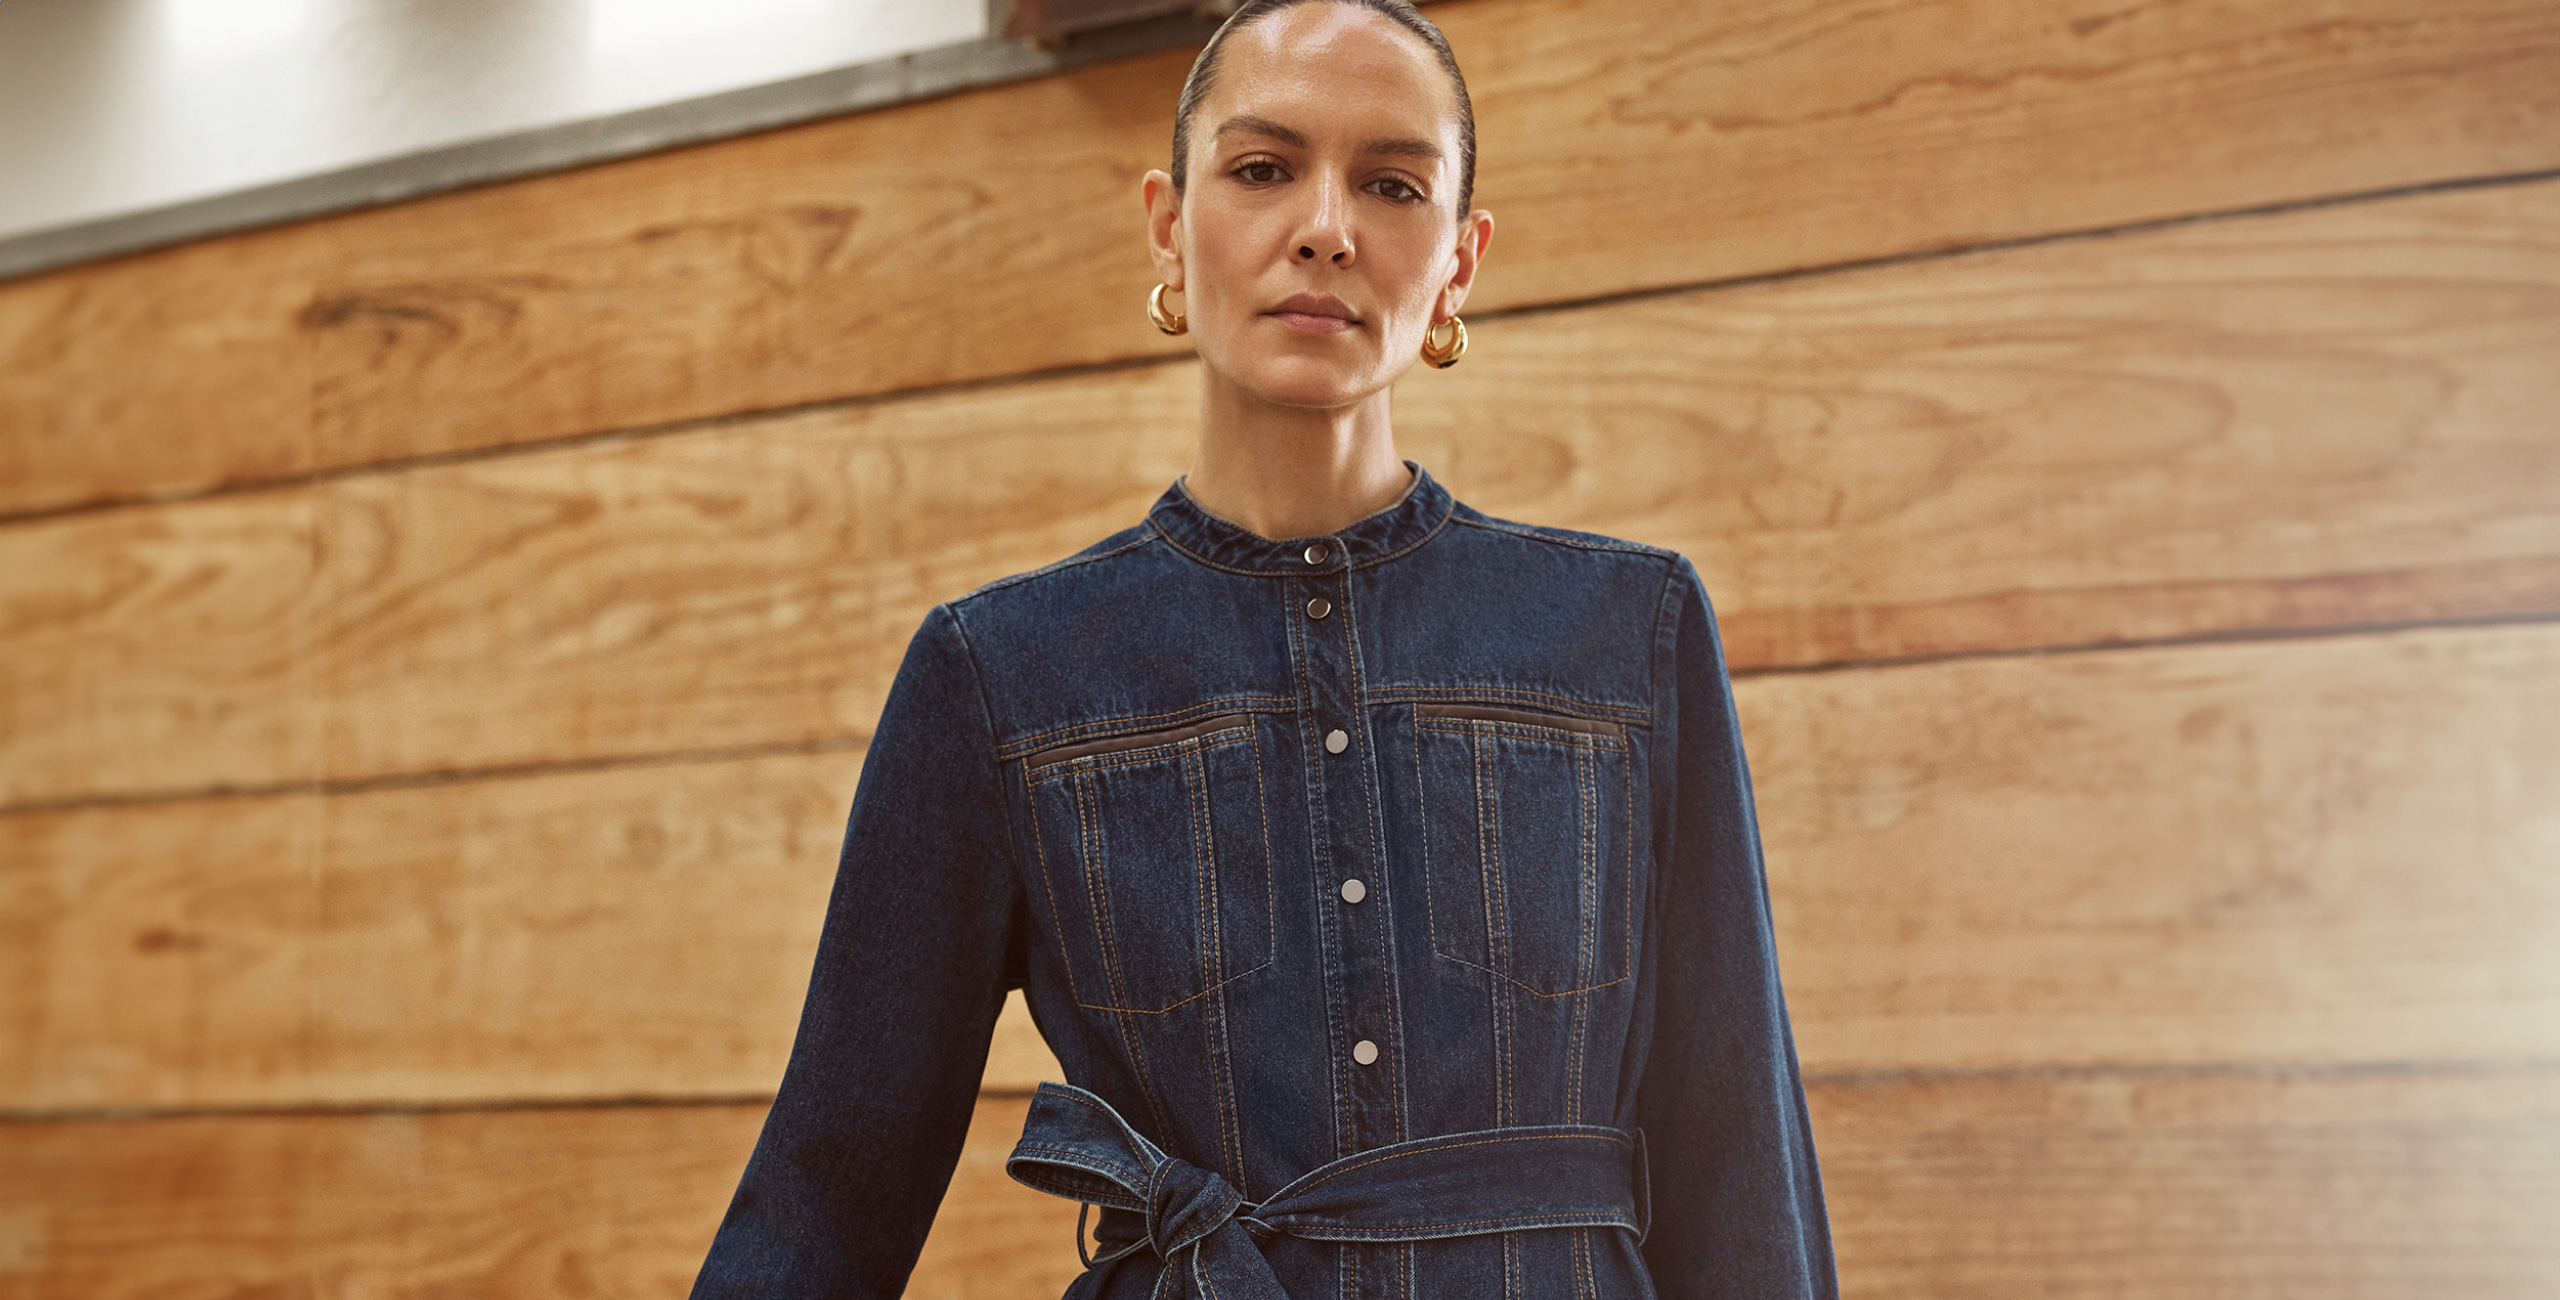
<point>1468,517</point>
<point>1119,543</point>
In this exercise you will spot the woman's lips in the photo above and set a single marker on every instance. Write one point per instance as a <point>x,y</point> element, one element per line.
<point>1314,313</point>
<point>1310,323</point>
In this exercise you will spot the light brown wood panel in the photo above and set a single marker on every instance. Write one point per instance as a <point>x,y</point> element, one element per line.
<point>2327,418</point>
<point>2395,1184</point>
<point>639,931</point>
<point>762,579</point>
<point>2330,417</point>
<point>2276,852</point>
<point>177,635</point>
<point>2330,851</point>
<point>167,372</point>
<point>1018,1058</point>
<point>566,1203</point>
<point>642,931</point>
<point>1625,145</point>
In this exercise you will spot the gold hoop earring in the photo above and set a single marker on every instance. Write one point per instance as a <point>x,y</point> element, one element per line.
<point>1444,355</point>
<point>1156,313</point>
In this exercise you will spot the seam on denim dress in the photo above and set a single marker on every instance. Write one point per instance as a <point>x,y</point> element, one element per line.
<point>1586,919</point>
<point>1627,868</point>
<point>1492,1139</point>
<point>1039,846</point>
<point>1522,718</point>
<point>1020,746</point>
<point>1055,565</point>
<point>1082,767</point>
<point>1476,730</point>
<point>1497,901</point>
<point>1559,537</point>
<point>1234,1117</point>
<point>1209,929</point>
<point>1293,633</point>
<point>1564,704</point>
<point>1215,723</point>
<point>1400,1099</point>
<point>1081,783</point>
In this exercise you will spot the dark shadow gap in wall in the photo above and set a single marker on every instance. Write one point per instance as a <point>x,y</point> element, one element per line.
<point>851,742</point>
<point>2459,1068</point>
<point>840,744</point>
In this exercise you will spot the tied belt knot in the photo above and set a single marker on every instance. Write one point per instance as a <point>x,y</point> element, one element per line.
<point>1456,1185</point>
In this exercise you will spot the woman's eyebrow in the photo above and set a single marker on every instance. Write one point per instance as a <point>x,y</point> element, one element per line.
<point>1248,124</point>
<point>1404,146</point>
<point>1400,146</point>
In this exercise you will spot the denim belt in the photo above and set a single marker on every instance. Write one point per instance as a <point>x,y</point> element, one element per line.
<point>1457,1185</point>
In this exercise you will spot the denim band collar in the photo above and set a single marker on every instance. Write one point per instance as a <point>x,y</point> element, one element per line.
<point>1221,542</point>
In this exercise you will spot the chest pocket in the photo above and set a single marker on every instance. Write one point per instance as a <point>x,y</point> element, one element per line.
<point>1156,861</point>
<point>1528,821</point>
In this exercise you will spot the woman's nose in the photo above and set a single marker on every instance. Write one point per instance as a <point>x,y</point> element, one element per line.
<point>1326,236</point>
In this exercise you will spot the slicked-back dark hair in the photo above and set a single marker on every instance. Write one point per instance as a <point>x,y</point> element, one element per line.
<point>1204,70</point>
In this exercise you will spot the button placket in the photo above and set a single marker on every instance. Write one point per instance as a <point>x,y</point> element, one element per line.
<point>1347,825</point>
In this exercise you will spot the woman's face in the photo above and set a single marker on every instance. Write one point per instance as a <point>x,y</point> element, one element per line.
<point>1317,237</point>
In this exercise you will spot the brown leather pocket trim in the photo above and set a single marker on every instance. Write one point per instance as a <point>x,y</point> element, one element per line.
<point>1523,717</point>
<point>1142,740</point>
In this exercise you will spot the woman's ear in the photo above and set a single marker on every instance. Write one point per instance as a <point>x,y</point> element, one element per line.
<point>1475,234</point>
<point>1164,227</point>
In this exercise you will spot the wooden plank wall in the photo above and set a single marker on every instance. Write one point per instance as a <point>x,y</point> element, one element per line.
<point>2123,441</point>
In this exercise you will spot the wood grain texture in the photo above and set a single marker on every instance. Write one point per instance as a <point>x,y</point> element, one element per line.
<point>2401,1184</point>
<point>637,932</point>
<point>460,615</point>
<point>167,628</point>
<point>570,1203</point>
<point>2326,851</point>
<point>2335,850</point>
<point>642,931</point>
<point>2327,418</point>
<point>1625,145</point>
<point>1018,1058</point>
<point>2321,418</point>
<point>2385,1186</point>
<point>166,372</point>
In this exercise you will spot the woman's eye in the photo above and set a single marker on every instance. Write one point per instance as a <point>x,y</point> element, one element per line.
<point>1390,187</point>
<point>1258,173</point>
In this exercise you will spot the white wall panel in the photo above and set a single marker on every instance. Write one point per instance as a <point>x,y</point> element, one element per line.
<point>109,107</point>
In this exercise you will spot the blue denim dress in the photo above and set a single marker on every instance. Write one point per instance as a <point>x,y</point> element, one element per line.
<point>1392,900</point>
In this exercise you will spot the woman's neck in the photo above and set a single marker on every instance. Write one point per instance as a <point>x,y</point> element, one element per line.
<point>1288,471</point>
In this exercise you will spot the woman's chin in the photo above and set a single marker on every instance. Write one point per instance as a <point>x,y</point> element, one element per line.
<point>1313,382</point>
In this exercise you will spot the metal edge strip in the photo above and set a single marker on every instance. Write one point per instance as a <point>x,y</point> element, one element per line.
<point>861,87</point>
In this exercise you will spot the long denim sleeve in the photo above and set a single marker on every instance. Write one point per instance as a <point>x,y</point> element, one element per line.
<point>1390,897</point>
<point>1737,1198</point>
<point>910,973</point>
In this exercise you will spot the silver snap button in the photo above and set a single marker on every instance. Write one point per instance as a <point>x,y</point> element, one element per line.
<point>1316,553</point>
<point>1336,741</point>
<point>1353,891</point>
<point>1364,1051</point>
<point>1319,607</point>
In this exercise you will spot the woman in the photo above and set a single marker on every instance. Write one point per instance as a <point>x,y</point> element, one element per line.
<point>1385,875</point>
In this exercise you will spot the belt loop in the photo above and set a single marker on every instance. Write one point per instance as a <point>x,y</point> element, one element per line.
<point>1082,1208</point>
